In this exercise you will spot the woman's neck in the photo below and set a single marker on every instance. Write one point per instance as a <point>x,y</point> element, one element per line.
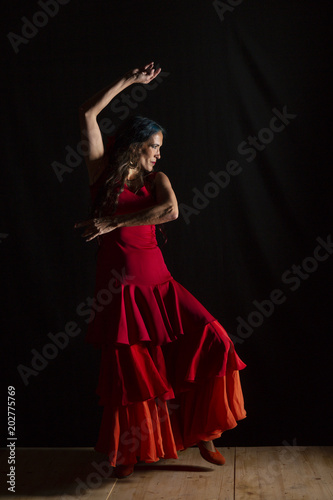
<point>133,174</point>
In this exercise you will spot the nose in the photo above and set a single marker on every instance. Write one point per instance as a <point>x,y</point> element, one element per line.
<point>158,154</point>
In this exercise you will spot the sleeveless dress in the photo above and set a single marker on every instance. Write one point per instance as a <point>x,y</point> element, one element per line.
<point>169,374</point>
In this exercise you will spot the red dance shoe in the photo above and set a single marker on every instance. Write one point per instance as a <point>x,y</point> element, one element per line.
<point>122,471</point>
<point>214,457</point>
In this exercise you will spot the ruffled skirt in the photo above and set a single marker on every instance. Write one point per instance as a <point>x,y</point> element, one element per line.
<point>169,374</point>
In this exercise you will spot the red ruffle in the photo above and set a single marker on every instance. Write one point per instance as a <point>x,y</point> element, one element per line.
<point>145,371</point>
<point>162,398</point>
<point>138,313</point>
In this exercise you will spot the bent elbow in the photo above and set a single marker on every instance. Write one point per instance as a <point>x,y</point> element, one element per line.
<point>171,212</point>
<point>86,112</point>
<point>175,213</point>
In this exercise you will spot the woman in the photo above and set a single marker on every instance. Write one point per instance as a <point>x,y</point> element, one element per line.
<point>169,375</point>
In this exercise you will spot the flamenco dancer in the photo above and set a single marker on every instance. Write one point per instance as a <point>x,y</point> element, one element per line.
<point>169,374</point>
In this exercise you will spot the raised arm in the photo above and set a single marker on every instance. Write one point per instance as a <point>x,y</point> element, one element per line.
<point>165,210</point>
<point>95,158</point>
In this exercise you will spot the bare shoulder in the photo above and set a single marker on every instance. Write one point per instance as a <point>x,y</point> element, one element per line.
<point>161,182</point>
<point>164,191</point>
<point>161,178</point>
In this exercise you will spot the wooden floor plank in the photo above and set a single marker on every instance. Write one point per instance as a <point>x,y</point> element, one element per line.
<point>190,477</point>
<point>62,473</point>
<point>261,473</point>
<point>258,474</point>
<point>308,473</point>
<point>288,472</point>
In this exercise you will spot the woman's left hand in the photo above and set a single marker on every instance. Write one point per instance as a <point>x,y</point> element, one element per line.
<point>97,227</point>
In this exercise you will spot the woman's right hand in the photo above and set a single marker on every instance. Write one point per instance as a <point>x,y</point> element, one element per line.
<point>145,74</point>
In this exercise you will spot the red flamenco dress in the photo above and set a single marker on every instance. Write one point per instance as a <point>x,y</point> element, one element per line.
<point>169,374</point>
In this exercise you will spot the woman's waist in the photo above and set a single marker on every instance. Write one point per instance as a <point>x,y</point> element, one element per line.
<point>134,237</point>
<point>141,266</point>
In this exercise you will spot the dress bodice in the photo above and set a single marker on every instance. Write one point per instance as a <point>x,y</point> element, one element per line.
<point>132,248</point>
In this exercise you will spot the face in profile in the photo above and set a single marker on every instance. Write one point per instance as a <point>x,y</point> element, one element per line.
<point>150,151</point>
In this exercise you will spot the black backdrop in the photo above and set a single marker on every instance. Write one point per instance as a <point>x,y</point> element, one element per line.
<point>228,69</point>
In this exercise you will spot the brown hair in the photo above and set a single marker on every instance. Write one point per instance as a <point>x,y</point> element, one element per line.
<point>123,154</point>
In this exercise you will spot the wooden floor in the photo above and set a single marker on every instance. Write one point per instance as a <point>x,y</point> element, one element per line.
<point>265,473</point>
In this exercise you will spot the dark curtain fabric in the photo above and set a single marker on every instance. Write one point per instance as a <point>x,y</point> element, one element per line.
<point>245,97</point>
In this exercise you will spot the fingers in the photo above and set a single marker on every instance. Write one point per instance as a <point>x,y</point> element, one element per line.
<point>149,68</point>
<point>91,229</point>
<point>90,234</point>
<point>89,238</point>
<point>147,73</point>
<point>157,72</point>
<point>152,75</point>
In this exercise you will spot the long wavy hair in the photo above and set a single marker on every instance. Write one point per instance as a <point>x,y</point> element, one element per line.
<point>123,154</point>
